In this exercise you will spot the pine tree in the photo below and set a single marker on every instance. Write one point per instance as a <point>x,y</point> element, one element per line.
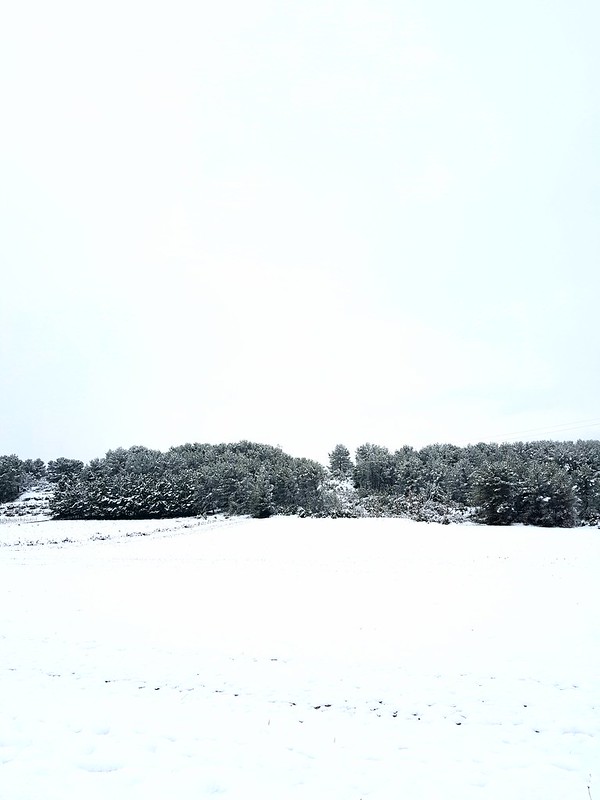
<point>494,493</point>
<point>261,499</point>
<point>11,472</point>
<point>340,463</point>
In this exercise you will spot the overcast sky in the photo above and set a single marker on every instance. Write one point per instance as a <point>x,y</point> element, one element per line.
<point>300,223</point>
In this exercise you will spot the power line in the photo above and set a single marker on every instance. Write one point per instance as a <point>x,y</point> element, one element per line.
<point>561,428</point>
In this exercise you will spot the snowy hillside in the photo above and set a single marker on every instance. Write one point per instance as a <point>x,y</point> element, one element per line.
<point>32,506</point>
<point>298,659</point>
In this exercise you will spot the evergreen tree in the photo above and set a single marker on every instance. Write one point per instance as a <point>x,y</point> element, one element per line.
<point>548,497</point>
<point>375,469</point>
<point>11,474</point>
<point>340,463</point>
<point>34,468</point>
<point>63,468</point>
<point>493,491</point>
<point>261,497</point>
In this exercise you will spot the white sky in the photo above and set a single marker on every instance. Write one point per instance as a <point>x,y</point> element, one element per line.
<point>300,223</point>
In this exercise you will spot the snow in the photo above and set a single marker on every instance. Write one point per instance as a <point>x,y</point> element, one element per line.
<point>32,505</point>
<point>297,658</point>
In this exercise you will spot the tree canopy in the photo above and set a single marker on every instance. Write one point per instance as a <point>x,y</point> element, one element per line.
<point>543,483</point>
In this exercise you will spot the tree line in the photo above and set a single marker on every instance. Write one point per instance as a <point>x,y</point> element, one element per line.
<point>190,480</point>
<point>542,483</point>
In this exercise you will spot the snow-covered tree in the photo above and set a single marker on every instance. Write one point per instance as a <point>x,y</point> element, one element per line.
<point>340,463</point>
<point>11,471</point>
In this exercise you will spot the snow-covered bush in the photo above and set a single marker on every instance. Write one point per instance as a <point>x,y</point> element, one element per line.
<point>339,498</point>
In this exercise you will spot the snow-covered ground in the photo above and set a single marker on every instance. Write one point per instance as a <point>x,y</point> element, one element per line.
<point>288,659</point>
<point>32,506</point>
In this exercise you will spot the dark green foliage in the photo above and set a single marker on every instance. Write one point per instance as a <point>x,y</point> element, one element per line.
<point>547,497</point>
<point>63,469</point>
<point>11,476</point>
<point>261,497</point>
<point>16,476</point>
<point>375,468</point>
<point>340,463</point>
<point>35,469</point>
<point>191,480</point>
<point>541,483</point>
<point>495,492</point>
<point>536,483</point>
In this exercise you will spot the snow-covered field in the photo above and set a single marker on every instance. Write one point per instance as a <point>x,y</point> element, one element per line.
<point>292,658</point>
